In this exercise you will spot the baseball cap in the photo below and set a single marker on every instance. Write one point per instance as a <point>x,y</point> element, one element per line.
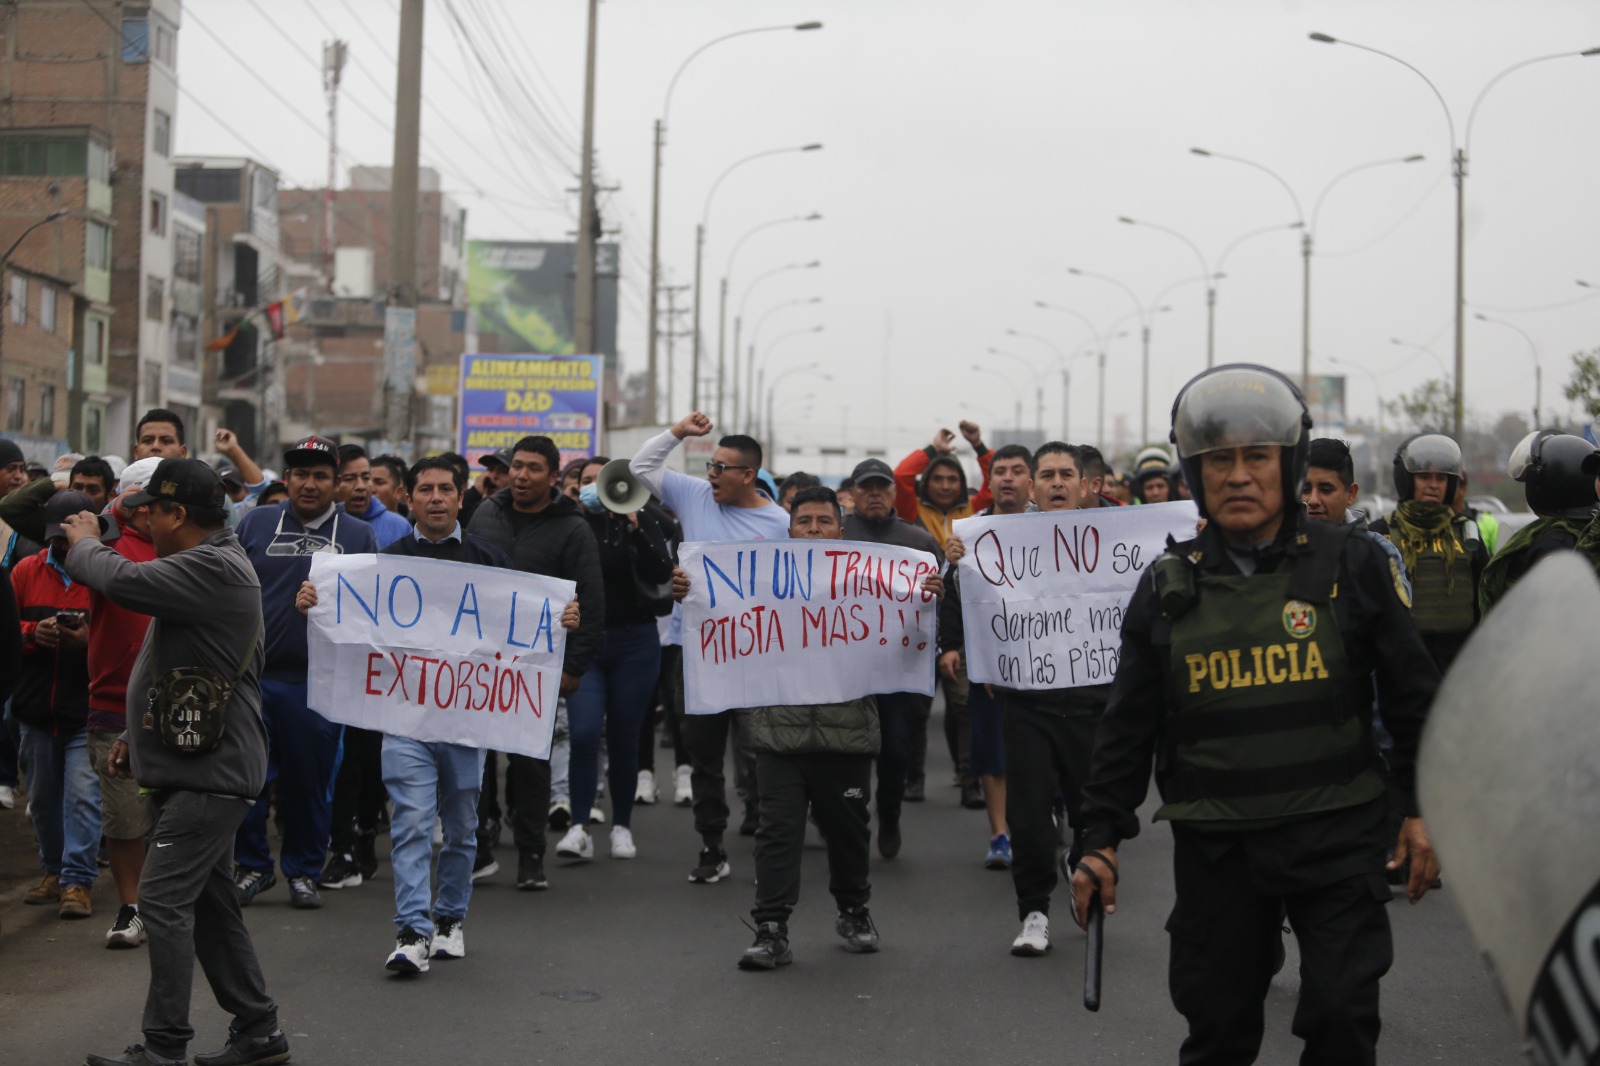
<point>872,469</point>
<point>503,457</point>
<point>311,451</point>
<point>136,475</point>
<point>187,481</point>
<point>60,506</point>
<point>228,473</point>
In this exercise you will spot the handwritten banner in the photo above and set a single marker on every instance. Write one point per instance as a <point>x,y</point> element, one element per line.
<point>438,651</point>
<point>804,621</point>
<point>1042,595</point>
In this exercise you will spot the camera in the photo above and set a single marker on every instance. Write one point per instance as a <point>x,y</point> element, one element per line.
<point>71,619</point>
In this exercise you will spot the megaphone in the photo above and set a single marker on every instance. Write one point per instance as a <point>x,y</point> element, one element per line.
<point>621,491</point>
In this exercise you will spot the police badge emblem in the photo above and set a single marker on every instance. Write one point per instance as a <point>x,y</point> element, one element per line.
<point>1299,619</point>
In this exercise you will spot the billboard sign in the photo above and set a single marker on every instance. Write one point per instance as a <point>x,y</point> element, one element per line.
<point>507,397</point>
<point>1325,399</point>
<point>522,296</point>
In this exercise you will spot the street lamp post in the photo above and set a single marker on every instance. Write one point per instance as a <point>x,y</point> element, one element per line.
<point>1028,365</point>
<point>772,447</point>
<point>5,261</point>
<point>699,256</point>
<point>1460,154</point>
<point>754,400</point>
<point>1377,391</point>
<point>1100,347</point>
<point>659,142</point>
<point>1444,371</point>
<point>722,313</point>
<point>762,380</point>
<point>1144,346</point>
<point>1533,350</point>
<point>1061,359</point>
<point>1207,275</point>
<point>1016,390</point>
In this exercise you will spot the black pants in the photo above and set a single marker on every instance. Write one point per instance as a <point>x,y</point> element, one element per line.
<point>358,792</point>
<point>917,739</point>
<point>1224,931</point>
<point>957,721</point>
<point>897,713</point>
<point>669,701</point>
<point>528,781</point>
<point>835,787</point>
<point>705,740</point>
<point>189,908</point>
<point>1046,754</point>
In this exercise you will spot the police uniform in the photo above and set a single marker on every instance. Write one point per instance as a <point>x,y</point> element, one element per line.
<point>1556,470</point>
<point>1247,677</point>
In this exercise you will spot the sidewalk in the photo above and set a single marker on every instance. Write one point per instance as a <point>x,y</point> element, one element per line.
<point>19,854</point>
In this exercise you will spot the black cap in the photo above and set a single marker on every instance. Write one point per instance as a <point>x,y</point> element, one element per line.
<point>228,473</point>
<point>60,506</point>
<point>10,452</point>
<point>311,451</point>
<point>186,481</point>
<point>503,457</point>
<point>870,469</point>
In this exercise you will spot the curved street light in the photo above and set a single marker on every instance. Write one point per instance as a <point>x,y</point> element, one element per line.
<point>722,308</point>
<point>750,359</point>
<point>1016,390</point>
<point>5,261</point>
<point>1377,390</point>
<point>1100,349</point>
<point>655,193</point>
<point>1459,151</point>
<point>762,380</point>
<point>772,447</point>
<point>1533,349</point>
<point>1144,343</point>
<point>1207,275</point>
<point>699,256</point>
<point>1444,371</point>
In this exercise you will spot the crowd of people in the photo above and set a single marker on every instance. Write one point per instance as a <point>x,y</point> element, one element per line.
<point>155,599</point>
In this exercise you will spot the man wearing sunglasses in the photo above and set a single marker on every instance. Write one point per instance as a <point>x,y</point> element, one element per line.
<point>725,506</point>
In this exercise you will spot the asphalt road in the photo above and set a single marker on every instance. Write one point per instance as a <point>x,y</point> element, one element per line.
<point>626,962</point>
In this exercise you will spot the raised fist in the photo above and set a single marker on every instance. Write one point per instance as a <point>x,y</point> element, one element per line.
<point>944,441</point>
<point>971,432</point>
<point>694,425</point>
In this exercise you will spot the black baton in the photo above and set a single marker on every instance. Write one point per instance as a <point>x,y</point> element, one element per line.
<point>1093,950</point>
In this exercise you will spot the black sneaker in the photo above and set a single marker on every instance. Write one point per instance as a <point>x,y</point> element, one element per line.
<point>303,894</point>
<point>972,795</point>
<point>530,872</point>
<point>340,872</point>
<point>248,1050</point>
<point>483,863</point>
<point>752,818</point>
<point>367,854</point>
<point>889,834</point>
<point>248,884</point>
<point>135,1055</point>
<point>860,935</point>
<point>770,950</point>
<point>916,791</point>
<point>713,867</point>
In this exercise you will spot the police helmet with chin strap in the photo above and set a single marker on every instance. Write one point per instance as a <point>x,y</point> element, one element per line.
<point>1241,405</point>
<point>1553,468</point>
<point>1427,453</point>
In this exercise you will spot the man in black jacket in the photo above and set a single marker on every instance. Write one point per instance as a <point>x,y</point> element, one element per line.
<point>543,532</point>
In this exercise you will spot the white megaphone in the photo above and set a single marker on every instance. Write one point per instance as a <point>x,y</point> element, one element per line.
<point>621,491</point>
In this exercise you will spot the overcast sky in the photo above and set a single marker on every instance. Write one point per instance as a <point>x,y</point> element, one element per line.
<point>976,150</point>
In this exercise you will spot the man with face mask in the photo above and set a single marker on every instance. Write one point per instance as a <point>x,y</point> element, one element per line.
<point>1246,682</point>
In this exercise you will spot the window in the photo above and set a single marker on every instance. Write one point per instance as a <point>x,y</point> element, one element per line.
<point>161,133</point>
<point>155,298</point>
<point>16,403</point>
<point>97,251</point>
<point>135,40</point>
<point>99,162</point>
<point>19,299</point>
<point>208,186</point>
<point>47,308</point>
<point>186,253</point>
<point>158,214</point>
<point>94,340</point>
<point>166,44</point>
<point>47,410</point>
<point>94,420</point>
<point>38,157</point>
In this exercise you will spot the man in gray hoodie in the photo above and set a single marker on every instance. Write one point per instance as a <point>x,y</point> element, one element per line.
<point>205,602</point>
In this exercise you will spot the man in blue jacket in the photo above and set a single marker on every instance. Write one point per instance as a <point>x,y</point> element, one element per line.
<point>280,542</point>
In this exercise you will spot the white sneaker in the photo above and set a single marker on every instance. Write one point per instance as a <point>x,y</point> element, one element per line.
<point>128,932</point>
<point>622,843</point>
<point>645,791</point>
<point>1035,936</point>
<point>8,798</point>
<point>577,844</point>
<point>683,792</point>
<point>597,816</point>
<point>449,941</point>
<point>410,954</point>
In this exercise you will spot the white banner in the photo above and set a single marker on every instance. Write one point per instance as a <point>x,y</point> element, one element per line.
<point>1042,594</point>
<point>438,651</point>
<point>804,621</point>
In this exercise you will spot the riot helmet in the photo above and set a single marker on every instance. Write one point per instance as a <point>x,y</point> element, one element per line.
<point>1427,453</point>
<point>1241,405</point>
<point>1151,463</point>
<point>1552,468</point>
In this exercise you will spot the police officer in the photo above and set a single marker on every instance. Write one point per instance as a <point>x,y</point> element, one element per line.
<point>1443,551</point>
<point>1248,658</point>
<point>1551,469</point>
<point>1152,476</point>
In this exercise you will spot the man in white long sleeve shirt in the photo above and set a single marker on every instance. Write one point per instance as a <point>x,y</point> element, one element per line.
<point>723,506</point>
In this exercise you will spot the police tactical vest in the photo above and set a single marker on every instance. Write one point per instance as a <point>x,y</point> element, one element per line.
<point>1269,723</point>
<point>1443,599</point>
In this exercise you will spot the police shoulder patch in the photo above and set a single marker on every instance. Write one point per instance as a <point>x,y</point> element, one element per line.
<point>1400,589</point>
<point>1299,619</point>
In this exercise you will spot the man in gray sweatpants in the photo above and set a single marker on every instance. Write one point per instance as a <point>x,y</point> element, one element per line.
<point>205,600</point>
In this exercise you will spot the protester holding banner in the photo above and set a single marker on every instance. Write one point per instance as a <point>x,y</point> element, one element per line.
<point>725,507</point>
<point>543,532</point>
<point>281,542</point>
<point>1247,656</point>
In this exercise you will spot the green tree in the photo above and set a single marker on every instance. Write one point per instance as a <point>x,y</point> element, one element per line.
<point>1584,385</point>
<point>1429,408</point>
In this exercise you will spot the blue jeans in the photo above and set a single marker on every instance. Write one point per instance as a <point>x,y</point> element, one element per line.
<point>615,696</point>
<point>425,779</point>
<point>303,758</point>
<point>65,793</point>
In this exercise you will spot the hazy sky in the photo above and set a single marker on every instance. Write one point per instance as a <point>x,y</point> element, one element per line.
<point>975,151</point>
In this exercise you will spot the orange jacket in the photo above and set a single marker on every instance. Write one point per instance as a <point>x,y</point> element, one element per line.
<point>911,499</point>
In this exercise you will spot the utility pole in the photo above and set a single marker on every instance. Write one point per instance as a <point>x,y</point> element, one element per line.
<point>583,332</point>
<point>400,318</point>
<point>334,54</point>
<point>672,332</point>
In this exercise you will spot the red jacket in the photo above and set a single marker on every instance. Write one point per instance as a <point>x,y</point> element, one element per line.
<point>53,691</point>
<point>115,636</point>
